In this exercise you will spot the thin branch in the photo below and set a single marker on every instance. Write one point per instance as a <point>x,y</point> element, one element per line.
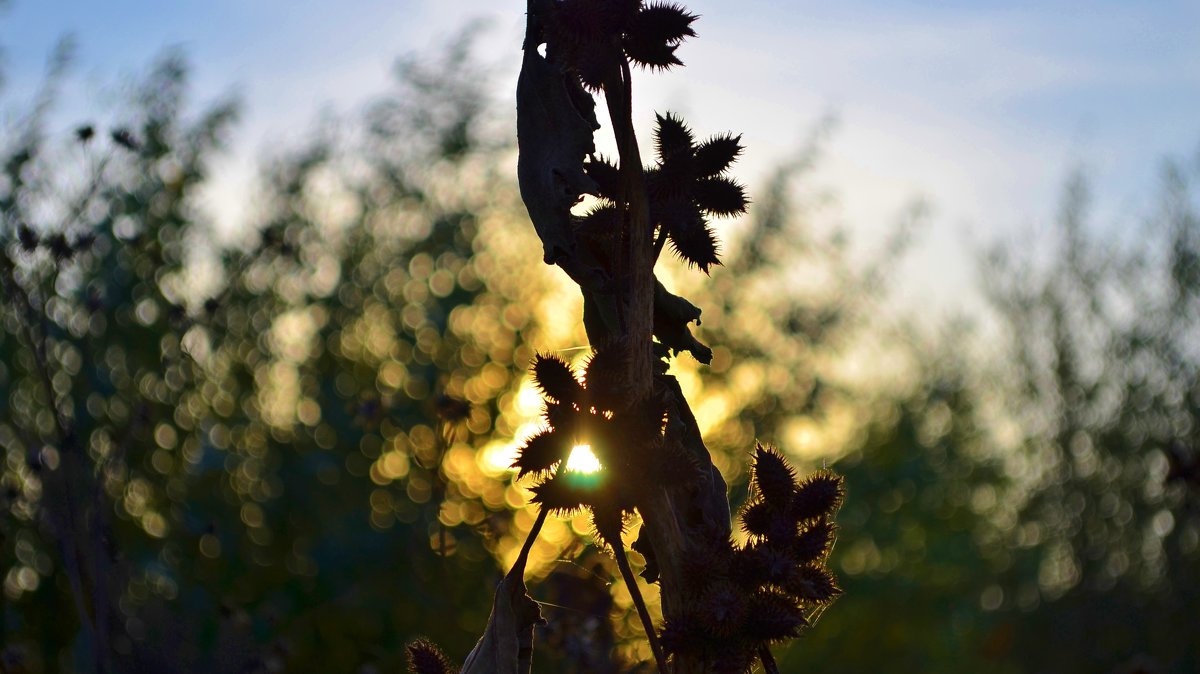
<point>768,660</point>
<point>659,242</point>
<point>518,567</point>
<point>647,622</point>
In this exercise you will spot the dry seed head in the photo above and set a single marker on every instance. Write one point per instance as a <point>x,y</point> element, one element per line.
<point>672,138</point>
<point>819,495</point>
<point>775,479</point>
<point>721,196</point>
<point>426,658</point>
<point>540,453</point>
<point>813,543</point>
<point>715,155</point>
<point>760,518</point>
<point>773,616</point>
<point>695,243</point>
<point>554,377</point>
<point>563,493</point>
<point>722,609</point>
<point>813,584</point>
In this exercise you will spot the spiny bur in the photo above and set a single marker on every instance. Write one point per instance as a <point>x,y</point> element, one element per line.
<point>555,379</point>
<point>768,590</point>
<point>819,494</point>
<point>426,658</point>
<point>775,479</point>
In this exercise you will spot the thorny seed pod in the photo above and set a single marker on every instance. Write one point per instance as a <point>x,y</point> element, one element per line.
<point>716,154</point>
<point>541,453</point>
<point>655,34</point>
<point>555,379</point>
<point>687,184</point>
<point>819,494</point>
<point>813,543</point>
<point>722,609</point>
<point>602,377</point>
<point>673,140</point>
<point>561,417</point>
<point>607,177</point>
<point>773,616</point>
<point>721,196</point>
<point>760,518</point>
<point>775,479</point>
<point>565,493</point>
<point>608,520</point>
<point>813,583</point>
<point>761,563</point>
<point>703,562</point>
<point>695,243</point>
<point>426,658</point>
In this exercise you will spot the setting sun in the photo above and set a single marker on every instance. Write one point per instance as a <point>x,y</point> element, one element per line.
<point>582,460</point>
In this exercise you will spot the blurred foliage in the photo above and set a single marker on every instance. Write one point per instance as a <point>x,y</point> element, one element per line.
<point>1103,380</point>
<point>278,452</point>
<point>290,452</point>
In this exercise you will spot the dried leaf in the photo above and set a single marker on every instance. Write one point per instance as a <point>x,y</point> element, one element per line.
<point>555,123</point>
<point>671,317</point>
<point>506,646</point>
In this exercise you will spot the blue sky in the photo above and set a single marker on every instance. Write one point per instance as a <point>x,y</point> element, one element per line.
<point>980,108</point>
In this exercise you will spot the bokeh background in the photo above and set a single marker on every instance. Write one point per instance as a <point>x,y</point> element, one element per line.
<point>286,296</point>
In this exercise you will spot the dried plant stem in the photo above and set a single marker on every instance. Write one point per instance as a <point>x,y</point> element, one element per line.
<point>633,263</point>
<point>519,566</point>
<point>636,594</point>
<point>768,660</point>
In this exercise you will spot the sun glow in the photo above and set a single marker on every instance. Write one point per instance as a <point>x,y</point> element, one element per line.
<point>582,460</point>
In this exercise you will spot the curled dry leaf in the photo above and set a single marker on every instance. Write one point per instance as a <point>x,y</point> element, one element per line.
<point>506,646</point>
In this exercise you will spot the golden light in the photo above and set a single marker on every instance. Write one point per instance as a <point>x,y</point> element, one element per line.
<point>582,460</point>
<point>496,458</point>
